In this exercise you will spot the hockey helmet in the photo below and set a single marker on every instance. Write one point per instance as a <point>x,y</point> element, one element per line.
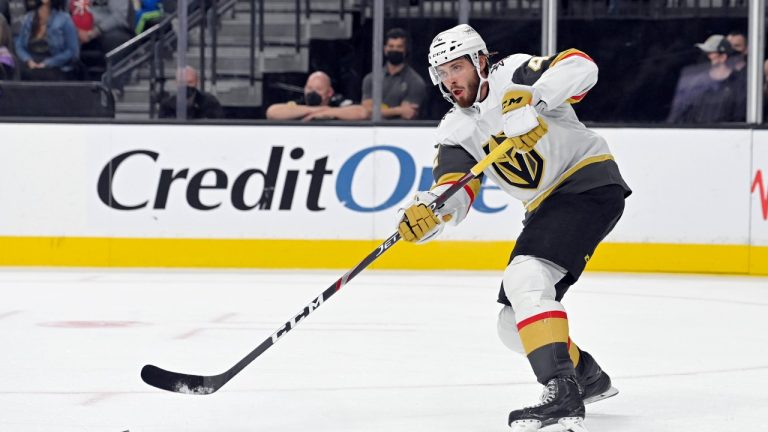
<point>454,43</point>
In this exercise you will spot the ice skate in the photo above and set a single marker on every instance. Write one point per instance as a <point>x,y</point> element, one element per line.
<point>561,405</point>
<point>595,383</point>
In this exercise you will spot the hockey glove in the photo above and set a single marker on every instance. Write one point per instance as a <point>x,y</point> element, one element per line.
<point>525,142</point>
<point>419,224</point>
<point>521,122</point>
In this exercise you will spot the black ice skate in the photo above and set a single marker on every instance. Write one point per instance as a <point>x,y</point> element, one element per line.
<point>593,380</point>
<point>561,404</point>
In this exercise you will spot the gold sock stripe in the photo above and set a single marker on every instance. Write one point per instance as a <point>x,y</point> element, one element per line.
<point>574,352</point>
<point>543,329</point>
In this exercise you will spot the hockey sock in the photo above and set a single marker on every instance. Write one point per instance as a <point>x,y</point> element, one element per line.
<point>575,353</point>
<point>545,339</point>
<point>529,284</point>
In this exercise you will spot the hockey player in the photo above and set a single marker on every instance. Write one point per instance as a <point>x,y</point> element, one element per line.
<point>568,182</point>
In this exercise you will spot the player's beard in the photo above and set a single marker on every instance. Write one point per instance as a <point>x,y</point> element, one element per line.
<point>470,95</point>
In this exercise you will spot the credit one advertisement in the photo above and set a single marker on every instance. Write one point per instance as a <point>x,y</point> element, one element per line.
<point>235,182</point>
<point>759,189</point>
<point>325,182</point>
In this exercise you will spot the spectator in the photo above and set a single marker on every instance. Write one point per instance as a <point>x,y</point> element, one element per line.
<point>713,92</point>
<point>8,65</point>
<point>738,42</point>
<point>403,90</point>
<point>111,28</point>
<point>80,11</point>
<point>5,10</point>
<point>147,13</point>
<point>319,102</point>
<point>200,105</point>
<point>47,43</point>
<point>765,91</point>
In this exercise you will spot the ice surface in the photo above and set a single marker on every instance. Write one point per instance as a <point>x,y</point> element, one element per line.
<point>183,388</point>
<point>393,351</point>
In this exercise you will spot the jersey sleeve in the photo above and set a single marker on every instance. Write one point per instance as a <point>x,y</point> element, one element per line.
<point>565,77</point>
<point>450,165</point>
<point>502,72</point>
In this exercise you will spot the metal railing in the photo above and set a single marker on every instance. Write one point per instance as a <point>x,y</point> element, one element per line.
<point>149,48</point>
<point>505,9</point>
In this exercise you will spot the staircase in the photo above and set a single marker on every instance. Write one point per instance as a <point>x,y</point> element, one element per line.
<point>233,84</point>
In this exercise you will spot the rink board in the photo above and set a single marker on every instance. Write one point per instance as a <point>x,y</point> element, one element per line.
<point>199,196</point>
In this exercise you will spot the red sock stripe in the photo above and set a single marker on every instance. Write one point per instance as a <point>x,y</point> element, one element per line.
<point>569,344</point>
<point>466,188</point>
<point>541,316</point>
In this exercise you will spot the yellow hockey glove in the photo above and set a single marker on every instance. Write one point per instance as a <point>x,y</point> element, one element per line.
<point>419,224</point>
<point>526,142</point>
<point>522,124</point>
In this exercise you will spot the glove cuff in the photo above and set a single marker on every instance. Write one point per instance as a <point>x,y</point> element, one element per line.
<point>520,121</point>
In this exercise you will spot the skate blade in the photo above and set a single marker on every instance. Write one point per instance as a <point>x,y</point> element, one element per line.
<point>525,425</point>
<point>613,391</point>
<point>566,424</point>
<point>572,424</point>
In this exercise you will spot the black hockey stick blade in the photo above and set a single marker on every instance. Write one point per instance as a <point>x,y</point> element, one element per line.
<point>177,382</point>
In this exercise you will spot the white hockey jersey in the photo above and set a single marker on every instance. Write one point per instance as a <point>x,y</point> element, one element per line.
<point>569,157</point>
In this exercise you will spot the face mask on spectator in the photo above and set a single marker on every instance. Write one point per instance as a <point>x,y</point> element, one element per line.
<point>313,99</point>
<point>395,57</point>
<point>191,93</point>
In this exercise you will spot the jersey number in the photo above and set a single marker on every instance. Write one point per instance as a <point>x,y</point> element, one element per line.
<point>534,63</point>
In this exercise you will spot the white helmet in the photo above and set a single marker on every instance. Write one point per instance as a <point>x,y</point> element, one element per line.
<point>452,44</point>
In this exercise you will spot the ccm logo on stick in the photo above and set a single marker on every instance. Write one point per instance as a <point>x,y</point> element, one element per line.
<point>308,309</point>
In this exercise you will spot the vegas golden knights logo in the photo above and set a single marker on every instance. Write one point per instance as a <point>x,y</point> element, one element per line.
<point>523,170</point>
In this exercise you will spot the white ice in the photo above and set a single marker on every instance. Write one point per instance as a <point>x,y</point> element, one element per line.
<point>392,351</point>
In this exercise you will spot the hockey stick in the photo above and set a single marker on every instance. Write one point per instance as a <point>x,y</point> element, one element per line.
<point>202,384</point>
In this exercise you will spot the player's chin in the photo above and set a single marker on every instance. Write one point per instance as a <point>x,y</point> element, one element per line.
<point>463,102</point>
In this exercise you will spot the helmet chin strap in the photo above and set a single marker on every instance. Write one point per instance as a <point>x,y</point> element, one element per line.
<point>476,62</point>
<point>480,88</point>
<point>449,97</point>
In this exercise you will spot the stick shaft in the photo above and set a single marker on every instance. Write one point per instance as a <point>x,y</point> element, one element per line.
<point>475,171</point>
<point>208,384</point>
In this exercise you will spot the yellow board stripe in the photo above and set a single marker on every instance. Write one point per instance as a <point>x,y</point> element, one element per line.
<point>543,332</point>
<point>343,254</point>
<point>758,260</point>
<point>532,205</point>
